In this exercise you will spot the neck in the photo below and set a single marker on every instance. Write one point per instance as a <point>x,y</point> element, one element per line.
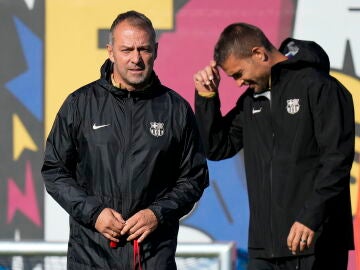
<point>119,84</point>
<point>277,57</point>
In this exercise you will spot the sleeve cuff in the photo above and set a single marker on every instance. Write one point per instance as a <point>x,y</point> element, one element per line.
<point>207,94</point>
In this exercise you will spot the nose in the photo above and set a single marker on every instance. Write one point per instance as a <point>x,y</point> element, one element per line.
<point>136,57</point>
<point>240,82</point>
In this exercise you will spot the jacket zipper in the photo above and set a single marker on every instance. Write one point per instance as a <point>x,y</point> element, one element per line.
<point>271,184</point>
<point>271,222</point>
<point>126,163</point>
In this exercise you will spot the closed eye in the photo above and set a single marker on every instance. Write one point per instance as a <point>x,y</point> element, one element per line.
<point>126,50</point>
<point>237,75</point>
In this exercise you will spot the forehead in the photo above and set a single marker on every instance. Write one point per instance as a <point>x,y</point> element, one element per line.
<point>127,33</point>
<point>234,64</point>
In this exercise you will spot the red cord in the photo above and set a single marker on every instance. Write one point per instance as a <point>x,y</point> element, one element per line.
<point>137,254</point>
<point>137,257</point>
<point>113,244</point>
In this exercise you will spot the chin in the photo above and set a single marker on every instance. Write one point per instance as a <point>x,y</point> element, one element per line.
<point>137,81</point>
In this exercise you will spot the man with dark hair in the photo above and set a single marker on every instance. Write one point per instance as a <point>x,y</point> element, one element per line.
<point>295,124</point>
<point>124,158</point>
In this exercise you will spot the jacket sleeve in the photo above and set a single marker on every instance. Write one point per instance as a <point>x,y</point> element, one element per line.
<point>222,136</point>
<point>333,115</point>
<point>59,167</point>
<point>193,176</point>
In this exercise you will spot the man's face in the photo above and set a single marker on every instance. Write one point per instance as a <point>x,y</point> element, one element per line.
<point>251,71</point>
<point>133,53</point>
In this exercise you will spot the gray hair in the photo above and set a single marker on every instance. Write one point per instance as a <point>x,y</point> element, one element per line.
<point>134,18</point>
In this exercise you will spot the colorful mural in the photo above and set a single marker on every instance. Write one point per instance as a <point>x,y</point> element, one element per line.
<point>21,119</point>
<point>50,48</point>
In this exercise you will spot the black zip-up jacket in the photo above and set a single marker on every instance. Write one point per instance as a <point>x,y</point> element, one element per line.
<point>127,150</point>
<point>298,142</point>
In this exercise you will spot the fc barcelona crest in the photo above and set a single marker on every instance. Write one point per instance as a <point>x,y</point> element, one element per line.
<point>293,106</point>
<point>157,129</point>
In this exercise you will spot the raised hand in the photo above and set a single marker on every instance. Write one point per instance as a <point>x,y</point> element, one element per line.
<point>207,79</point>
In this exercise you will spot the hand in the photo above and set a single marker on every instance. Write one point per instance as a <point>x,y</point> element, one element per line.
<point>110,223</point>
<point>207,79</point>
<point>300,237</point>
<point>140,225</point>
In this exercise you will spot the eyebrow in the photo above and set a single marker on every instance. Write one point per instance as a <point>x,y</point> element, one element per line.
<point>146,47</point>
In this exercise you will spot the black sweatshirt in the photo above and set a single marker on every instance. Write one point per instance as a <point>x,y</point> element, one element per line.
<point>298,146</point>
<point>128,151</point>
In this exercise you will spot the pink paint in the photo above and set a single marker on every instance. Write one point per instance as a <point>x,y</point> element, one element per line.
<point>23,201</point>
<point>352,260</point>
<point>190,47</point>
<point>197,27</point>
<point>354,256</point>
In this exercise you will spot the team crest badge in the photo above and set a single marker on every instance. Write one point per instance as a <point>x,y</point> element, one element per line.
<point>293,106</point>
<point>157,129</point>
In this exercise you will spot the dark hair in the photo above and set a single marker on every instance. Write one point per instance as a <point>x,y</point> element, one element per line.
<point>238,39</point>
<point>134,18</point>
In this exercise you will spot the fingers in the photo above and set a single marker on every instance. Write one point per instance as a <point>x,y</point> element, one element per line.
<point>299,238</point>
<point>310,239</point>
<point>112,235</point>
<point>140,233</point>
<point>293,240</point>
<point>118,216</point>
<point>303,241</point>
<point>143,236</point>
<point>140,225</point>
<point>208,78</point>
<point>109,223</point>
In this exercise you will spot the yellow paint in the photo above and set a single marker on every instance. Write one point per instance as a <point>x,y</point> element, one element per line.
<point>72,57</point>
<point>355,170</point>
<point>353,85</point>
<point>22,138</point>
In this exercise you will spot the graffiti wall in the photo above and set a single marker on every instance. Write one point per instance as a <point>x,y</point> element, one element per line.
<point>50,48</point>
<point>21,119</point>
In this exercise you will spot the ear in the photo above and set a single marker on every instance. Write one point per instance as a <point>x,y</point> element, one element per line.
<point>259,54</point>
<point>109,48</point>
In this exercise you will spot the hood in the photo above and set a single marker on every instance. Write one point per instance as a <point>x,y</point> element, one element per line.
<point>106,70</point>
<point>149,90</point>
<point>305,53</point>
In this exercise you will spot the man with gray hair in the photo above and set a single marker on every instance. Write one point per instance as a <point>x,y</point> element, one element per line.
<point>124,158</point>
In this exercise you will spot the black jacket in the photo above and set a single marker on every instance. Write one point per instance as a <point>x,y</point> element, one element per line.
<point>298,148</point>
<point>127,151</point>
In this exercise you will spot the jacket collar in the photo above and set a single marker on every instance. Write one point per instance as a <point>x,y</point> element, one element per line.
<point>153,88</point>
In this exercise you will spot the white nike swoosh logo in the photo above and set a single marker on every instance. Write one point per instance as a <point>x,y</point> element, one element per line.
<point>101,126</point>
<point>256,110</point>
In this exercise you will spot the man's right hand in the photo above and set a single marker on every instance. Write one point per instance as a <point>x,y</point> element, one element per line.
<point>207,79</point>
<point>110,223</point>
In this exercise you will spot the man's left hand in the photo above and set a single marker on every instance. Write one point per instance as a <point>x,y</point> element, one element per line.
<point>140,225</point>
<point>300,237</point>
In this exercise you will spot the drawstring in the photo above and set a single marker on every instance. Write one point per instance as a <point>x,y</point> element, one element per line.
<point>298,263</point>
<point>137,257</point>
<point>113,244</point>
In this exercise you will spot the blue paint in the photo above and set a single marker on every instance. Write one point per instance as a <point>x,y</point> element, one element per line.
<point>210,215</point>
<point>28,86</point>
